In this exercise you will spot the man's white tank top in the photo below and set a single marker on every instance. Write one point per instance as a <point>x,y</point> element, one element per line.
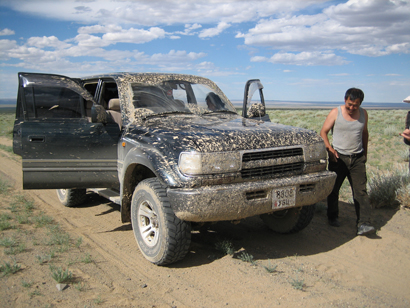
<point>348,135</point>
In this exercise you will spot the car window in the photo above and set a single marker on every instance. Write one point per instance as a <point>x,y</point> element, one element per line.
<point>208,99</point>
<point>158,99</point>
<point>52,102</point>
<point>178,96</point>
<point>91,87</point>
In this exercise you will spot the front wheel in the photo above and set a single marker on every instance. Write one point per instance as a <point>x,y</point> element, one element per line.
<point>161,236</point>
<point>289,220</point>
<point>71,197</point>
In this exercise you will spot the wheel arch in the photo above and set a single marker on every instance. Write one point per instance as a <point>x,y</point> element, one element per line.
<point>134,174</point>
<point>138,166</point>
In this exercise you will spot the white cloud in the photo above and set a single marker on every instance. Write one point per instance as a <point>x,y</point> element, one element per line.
<point>214,31</point>
<point>175,57</point>
<point>193,27</point>
<point>340,75</point>
<point>189,29</point>
<point>32,56</point>
<point>44,42</point>
<point>6,32</point>
<point>118,35</point>
<point>157,12</point>
<point>5,47</point>
<point>303,58</point>
<point>99,29</point>
<point>369,28</point>
<point>369,13</point>
<point>136,36</point>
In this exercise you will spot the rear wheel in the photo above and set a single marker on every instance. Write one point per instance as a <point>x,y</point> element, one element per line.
<point>161,236</point>
<point>289,220</point>
<point>71,197</point>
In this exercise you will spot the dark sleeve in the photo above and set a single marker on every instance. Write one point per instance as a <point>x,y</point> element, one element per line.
<point>407,126</point>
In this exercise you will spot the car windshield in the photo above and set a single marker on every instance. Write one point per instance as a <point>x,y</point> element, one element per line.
<point>178,96</point>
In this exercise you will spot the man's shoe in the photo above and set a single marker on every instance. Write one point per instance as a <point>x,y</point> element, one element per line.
<point>334,222</point>
<point>365,229</point>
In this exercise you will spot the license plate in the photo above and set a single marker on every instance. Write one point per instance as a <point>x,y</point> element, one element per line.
<point>284,197</point>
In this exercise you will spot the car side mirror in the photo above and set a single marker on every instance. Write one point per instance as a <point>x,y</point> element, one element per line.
<point>98,114</point>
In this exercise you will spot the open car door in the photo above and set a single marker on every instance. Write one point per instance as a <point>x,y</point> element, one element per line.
<point>59,145</point>
<point>254,102</point>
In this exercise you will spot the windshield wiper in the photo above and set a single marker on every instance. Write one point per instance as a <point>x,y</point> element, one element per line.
<point>220,111</point>
<point>165,114</point>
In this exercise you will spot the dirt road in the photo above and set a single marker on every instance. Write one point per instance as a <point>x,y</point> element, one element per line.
<point>321,266</point>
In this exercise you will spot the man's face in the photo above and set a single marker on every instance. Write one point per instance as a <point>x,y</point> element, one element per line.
<point>352,106</point>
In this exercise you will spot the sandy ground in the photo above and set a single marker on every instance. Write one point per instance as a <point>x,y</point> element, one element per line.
<point>332,266</point>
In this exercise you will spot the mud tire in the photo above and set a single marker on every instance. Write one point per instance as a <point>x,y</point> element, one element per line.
<point>291,220</point>
<point>71,197</point>
<point>161,236</point>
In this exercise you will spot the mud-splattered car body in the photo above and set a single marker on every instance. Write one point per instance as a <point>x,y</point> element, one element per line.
<point>178,135</point>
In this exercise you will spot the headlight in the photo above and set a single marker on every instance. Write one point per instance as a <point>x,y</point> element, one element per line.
<point>194,163</point>
<point>315,152</point>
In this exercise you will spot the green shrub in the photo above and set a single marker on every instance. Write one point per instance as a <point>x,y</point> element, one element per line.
<point>225,247</point>
<point>405,155</point>
<point>383,188</point>
<point>5,221</point>
<point>403,196</point>
<point>247,257</point>
<point>391,130</point>
<point>7,268</point>
<point>60,275</point>
<point>4,187</point>
<point>297,283</point>
<point>13,250</point>
<point>26,284</point>
<point>271,268</point>
<point>8,242</point>
<point>42,220</point>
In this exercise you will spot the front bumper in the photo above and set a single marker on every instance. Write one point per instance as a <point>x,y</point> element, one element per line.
<point>241,200</point>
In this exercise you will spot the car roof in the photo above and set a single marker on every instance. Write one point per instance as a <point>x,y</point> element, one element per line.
<point>117,75</point>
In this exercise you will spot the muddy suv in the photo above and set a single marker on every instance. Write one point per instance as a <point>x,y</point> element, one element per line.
<point>171,150</point>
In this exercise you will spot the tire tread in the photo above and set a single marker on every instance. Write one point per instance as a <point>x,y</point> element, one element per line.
<point>179,231</point>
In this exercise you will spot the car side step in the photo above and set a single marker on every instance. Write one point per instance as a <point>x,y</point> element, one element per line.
<point>110,194</point>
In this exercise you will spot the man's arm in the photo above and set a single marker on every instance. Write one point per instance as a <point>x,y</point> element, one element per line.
<point>365,135</point>
<point>327,126</point>
<point>406,133</point>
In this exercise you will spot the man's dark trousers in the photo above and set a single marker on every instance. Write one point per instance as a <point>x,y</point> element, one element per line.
<point>354,168</point>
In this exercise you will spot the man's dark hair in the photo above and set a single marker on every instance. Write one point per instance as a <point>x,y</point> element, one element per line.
<point>354,94</point>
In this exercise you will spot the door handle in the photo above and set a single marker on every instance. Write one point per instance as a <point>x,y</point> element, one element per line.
<point>37,138</point>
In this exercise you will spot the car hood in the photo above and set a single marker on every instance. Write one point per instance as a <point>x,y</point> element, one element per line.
<point>217,133</point>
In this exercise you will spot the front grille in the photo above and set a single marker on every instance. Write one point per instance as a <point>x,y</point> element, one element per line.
<point>263,155</point>
<point>275,170</point>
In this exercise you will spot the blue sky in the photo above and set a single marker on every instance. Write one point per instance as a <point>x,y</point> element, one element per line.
<point>302,50</point>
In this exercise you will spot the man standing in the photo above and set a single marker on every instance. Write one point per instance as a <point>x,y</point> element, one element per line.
<point>406,133</point>
<point>347,157</point>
